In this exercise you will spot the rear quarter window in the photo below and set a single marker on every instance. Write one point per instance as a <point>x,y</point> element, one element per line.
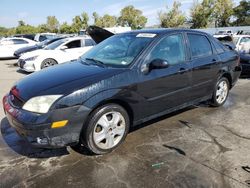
<point>200,45</point>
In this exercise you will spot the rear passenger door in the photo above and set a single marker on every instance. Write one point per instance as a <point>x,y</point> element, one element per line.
<point>205,65</point>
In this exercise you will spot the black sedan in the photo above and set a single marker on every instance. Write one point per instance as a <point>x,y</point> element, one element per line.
<point>124,81</point>
<point>40,45</point>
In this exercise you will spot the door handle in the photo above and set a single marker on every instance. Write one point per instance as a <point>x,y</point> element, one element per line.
<point>182,70</point>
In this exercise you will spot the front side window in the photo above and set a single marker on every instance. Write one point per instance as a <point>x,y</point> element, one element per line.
<point>74,44</point>
<point>170,48</point>
<point>119,50</point>
<point>200,46</point>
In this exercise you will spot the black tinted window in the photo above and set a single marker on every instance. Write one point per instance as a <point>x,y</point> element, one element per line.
<point>19,41</point>
<point>170,48</point>
<point>200,46</point>
<point>74,44</point>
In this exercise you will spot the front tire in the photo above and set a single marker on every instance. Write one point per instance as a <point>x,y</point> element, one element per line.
<point>48,63</point>
<point>221,92</point>
<point>106,129</point>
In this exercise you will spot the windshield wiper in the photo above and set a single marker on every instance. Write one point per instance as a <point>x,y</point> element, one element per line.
<point>96,61</point>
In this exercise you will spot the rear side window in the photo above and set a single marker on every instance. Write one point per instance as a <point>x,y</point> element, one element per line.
<point>89,42</point>
<point>74,44</point>
<point>218,47</point>
<point>19,41</point>
<point>200,46</point>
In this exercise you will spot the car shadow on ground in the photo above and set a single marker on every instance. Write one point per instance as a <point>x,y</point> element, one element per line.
<point>22,72</point>
<point>22,147</point>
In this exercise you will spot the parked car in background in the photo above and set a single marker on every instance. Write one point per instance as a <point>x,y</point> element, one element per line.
<point>39,37</point>
<point>57,52</point>
<point>9,45</point>
<point>27,36</point>
<point>240,41</point>
<point>37,46</point>
<point>124,81</point>
<point>245,63</point>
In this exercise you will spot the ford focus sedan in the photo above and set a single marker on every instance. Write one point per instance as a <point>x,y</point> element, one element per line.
<point>124,81</point>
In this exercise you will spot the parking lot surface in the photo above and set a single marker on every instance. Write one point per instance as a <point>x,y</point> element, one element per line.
<point>199,146</point>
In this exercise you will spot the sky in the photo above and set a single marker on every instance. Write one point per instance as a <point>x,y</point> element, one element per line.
<point>34,12</point>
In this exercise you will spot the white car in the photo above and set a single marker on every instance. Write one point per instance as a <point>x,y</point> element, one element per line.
<point>9,45</point>
<point>241,42</point>
<point>57,52</point>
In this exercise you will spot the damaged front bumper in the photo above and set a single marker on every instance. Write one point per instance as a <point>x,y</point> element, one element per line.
<point>37,128</point>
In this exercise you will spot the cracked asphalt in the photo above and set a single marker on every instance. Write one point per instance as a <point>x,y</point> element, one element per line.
<point>199,146</point>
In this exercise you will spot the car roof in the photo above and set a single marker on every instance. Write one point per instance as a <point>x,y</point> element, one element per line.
<point>163,31</point>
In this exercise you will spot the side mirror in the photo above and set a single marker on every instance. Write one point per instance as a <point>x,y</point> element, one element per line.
<point>155,64</point>
<point>63,48</point>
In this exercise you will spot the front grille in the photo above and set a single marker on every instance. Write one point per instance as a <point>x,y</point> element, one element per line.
<point>15,100</point>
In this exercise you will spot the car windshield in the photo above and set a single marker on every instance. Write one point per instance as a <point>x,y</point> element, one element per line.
<point>235,39</point>
<point>43,43</point>
<point>55,44</point>
<point>118,50</point>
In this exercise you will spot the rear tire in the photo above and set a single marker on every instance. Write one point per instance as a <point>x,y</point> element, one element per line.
<point>106,129</point>
<point>221,92</point>
<point>48,63</point>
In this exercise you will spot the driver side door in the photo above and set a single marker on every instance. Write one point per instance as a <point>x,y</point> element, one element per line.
<point>169,87</point>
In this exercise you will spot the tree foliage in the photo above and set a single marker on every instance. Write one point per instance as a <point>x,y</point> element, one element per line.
<point>65,28</point>
<point>79,22</point>
<point>173,17</point>
<point>242,14</point>
<point>223,10</point>
<point>52,24</point>
<point>132,17</point>
<point>201,13</point>
<point>105,21</point>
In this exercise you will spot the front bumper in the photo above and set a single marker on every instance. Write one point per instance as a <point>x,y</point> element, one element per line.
<point>27,66</point>
<point>36,128</point>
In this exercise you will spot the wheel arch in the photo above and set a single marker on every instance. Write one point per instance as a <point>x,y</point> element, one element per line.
<point>228,76</point>
<point>119,102</point>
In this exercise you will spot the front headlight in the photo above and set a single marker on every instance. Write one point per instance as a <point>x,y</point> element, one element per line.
<point>31,58</point>
<point>40,104</point>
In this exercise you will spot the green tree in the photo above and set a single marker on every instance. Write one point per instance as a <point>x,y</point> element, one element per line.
<point>42,28</point>
<point>201,13</point>
<point>65,28</point>
<point>223,10</point>
<point>76,25</point>
<point>21,23</point>
<point>173,17</point>
<point>105,21</point>
<point>85,20</point>
<point>79,22</point>
<point>52,24</point>
<point>95,16</point>
<point>132,17</point>
<point>242,14</point>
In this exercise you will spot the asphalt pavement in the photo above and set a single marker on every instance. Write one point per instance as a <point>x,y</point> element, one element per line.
<point>199,146</point>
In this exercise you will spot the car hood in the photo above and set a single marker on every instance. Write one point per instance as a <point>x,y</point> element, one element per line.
<point>62,79</point>
<point>98,34</point>
<point>26,49</point>
<point>34,53</point>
